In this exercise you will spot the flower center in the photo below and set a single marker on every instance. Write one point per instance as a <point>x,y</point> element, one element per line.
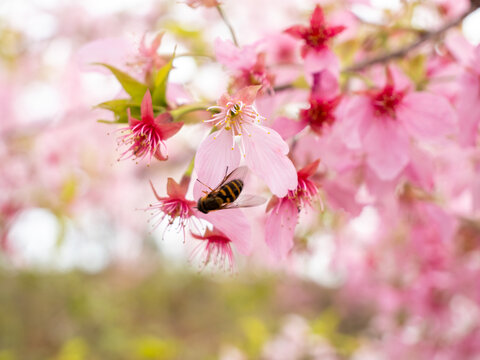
<point>320,113</point>
<point>386,101</point>
<point>233,117</point>
<point>316,37</point>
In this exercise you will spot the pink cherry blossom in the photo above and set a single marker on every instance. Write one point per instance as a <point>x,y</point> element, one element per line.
<point>174,206</point>
<point>468,100</point>
<point>229,228</point>
<point>383,121</point>
<point>146,137</point>
<point>323,100</point>
<point>315,50</point>
<point>280,226</point>
<point>307,189</point>
<point>148,58</point>
<point>214,248</point>
<point>282,220</point>
<point>317,35</point>
<point>452,8</point>
<point>246,65</point>
<point>264,151</point>
<point>234,224</point>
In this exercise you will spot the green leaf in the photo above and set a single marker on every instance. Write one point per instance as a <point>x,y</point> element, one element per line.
<point>118,105</point>
<point>159,96</point>
<point>103,121</point>
<point>415,68</point>
<point>179,112</point>
<point>132,86</point>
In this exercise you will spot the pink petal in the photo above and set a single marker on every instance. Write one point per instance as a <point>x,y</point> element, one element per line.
<point>158,197</point>
<point>131,120</point>
<point>342,196</point>
<point>309,169</point>
<point>233,57</point>
<point>287,127</point>
<point>161,153</point>
<point>215,154</point>
<point>280,228</point>
<point>224,100</point>
<point>325,59</point>
<point>234,224</point>
<point>354,117</point>
<point>146,107</point>
<point>247,94</point>
<point>461,49</point>
<point>266,155</point>
<point>296,31</point>
<point>468,107</point>
<point>174,190</point>
<point>317,19</point>
<point>168,130</point>
<point>386,144</point>
<point>427,115</point>
<point>156,42</point>
<point>325,85</point>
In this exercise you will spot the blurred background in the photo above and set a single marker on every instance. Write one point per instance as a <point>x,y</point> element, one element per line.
<point>83,274</point>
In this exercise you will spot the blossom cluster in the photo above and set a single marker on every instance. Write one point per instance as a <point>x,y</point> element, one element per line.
<point>364,132</point>
<point>368,137</point>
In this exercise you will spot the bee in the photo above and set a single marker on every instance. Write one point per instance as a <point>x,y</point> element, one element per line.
<point>226,195</point>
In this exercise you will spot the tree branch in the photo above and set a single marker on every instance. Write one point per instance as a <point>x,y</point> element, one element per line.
<point>229,26</point>
<point>432,35</point>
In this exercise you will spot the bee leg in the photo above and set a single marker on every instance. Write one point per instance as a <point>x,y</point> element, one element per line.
<point>206,192</point>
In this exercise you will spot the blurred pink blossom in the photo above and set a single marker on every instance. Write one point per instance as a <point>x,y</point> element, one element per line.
<point>384,120</point>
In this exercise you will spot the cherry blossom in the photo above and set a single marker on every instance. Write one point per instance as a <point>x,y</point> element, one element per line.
<point>146,137</point>
<point>316,37</point>
<point>214,248</point>
<point>263,150</point>
<point>174,206</point>
<point>323,100</point>
<point>283,217</point>
<point>247,66</point>
<point>384,120</point>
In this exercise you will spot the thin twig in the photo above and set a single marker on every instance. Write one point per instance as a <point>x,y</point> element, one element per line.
<point>432,35</point>
<point>225,20</point>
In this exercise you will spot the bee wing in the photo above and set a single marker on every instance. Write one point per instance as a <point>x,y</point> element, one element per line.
<point>238,173</point>
<point>246,200</point>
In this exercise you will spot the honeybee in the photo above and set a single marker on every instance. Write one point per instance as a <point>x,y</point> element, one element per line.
<point>226,195</point>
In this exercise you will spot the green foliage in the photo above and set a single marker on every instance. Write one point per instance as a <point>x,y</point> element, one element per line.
<point>159,96</point>
<point>6,355</point>
<point>151,347</point>
<point>255,335</point>
<point>132,86</point>
<point>137,91</point>
<point>327,325</point>
<point>415,68</point>
<point>128,315</point>
<point>73,349</point>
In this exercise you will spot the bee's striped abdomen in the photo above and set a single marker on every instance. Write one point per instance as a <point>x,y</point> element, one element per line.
<point>230,191</point>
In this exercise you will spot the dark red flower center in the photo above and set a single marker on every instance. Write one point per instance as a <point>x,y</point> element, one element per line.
<point>316,37</point>
<point>320,113</point>
<point>386,101</point>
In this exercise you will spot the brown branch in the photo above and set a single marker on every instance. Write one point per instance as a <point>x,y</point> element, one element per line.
<point>432,35</point>
<point>228,24</point>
